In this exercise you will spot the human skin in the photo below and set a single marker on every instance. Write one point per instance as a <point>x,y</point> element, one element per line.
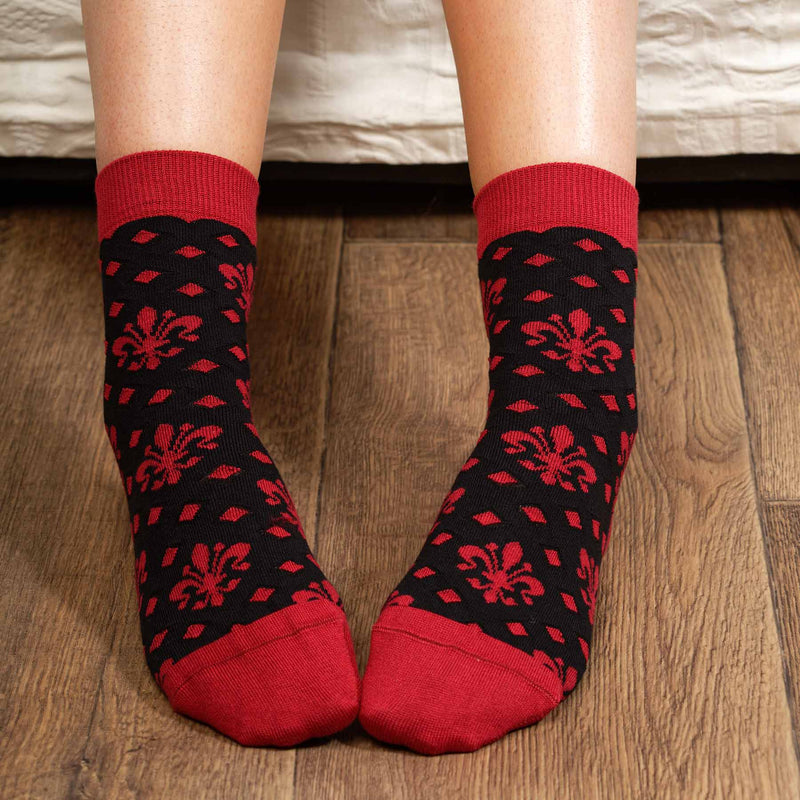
<point>546,80</point>
<point>182,75</point>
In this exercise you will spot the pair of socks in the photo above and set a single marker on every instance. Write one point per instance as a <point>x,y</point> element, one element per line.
<point>491,627</point>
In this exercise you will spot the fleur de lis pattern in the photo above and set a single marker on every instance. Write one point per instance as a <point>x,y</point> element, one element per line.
<point>502,578</point>
<point>154,337</point>
<point>217,538</point>
<point>210,576</point>
<point>173,451</point>
<point>574,342</point>
<point>553,456</point>
<point>517,544</point>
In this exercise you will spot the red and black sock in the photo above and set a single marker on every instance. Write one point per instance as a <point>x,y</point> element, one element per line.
<point>491,627</point>
<point>240,628</point>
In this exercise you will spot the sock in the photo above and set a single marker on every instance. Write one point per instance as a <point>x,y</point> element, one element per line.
<point>241,629</point>
<point>491,627</point>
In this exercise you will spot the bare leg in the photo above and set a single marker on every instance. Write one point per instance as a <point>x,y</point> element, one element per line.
<point>546,80</point>
<point>182,75</point>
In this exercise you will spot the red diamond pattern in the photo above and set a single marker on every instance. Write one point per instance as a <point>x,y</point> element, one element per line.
<point>209,401</point>
<point>159,397</point>
<point>569,601</point>
<point>526,370</point>
<point>189,512</point>
<point>540,259</point>
<point>502,478</point>
<point>233,514</point>
<point>191,289</point>
<point>144,236</point>
<point>538,296</point>
<point>193,631</point>
<point>146,275</point>
<point>189,251</point>
<point>203,365</point>
<point>522,406</point>
<point>552,558</point>
<point>223,472</point>
<point>487,518</point>
<point>449,596</point>
<point>573,518</point>
<point>534,514</point>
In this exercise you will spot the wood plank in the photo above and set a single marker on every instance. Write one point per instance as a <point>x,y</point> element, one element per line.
<point>782,535</point>
<point>685,224</point>
<point>84,716</point>
<point>62,533</point>
<point>685,695</point>
<point>762,259</point>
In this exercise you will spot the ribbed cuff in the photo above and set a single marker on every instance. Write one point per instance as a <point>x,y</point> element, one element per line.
<point>541,196</point>
<point>182,183</point>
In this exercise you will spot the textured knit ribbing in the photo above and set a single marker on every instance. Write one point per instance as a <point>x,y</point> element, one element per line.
<point>557,193</point>
<point>187,183</point>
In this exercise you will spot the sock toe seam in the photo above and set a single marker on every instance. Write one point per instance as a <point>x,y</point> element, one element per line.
<point>244,651</point>
<point>536,687</point>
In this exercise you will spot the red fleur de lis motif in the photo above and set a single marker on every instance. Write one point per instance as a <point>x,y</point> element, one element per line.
<point>150,340</point>
<point>555,462</point>
<point>492,295</point>
<point>278,495</point>
<point>499,579</point>
<point>240,277</point>
<point>171,453</point>
<point>590,573</point>
<point>317,591</point>
<point>141,575</point>
<point>574,343</point>
<point>207,578</point>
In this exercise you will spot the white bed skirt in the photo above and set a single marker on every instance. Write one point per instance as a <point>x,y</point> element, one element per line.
<point>374,81</point>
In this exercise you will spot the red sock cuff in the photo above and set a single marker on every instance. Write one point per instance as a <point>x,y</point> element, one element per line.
<point>182,183</point>
<point>541,196</point>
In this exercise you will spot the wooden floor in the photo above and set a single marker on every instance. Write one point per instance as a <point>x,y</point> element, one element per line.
<point>369,388</point>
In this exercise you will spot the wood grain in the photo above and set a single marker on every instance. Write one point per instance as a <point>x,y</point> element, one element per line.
<point>685,695</point>
<point>370,396</point>
<point>84,716</point>
<point>782,530</point>
<point>699,224</point>
<point>762,259</point>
